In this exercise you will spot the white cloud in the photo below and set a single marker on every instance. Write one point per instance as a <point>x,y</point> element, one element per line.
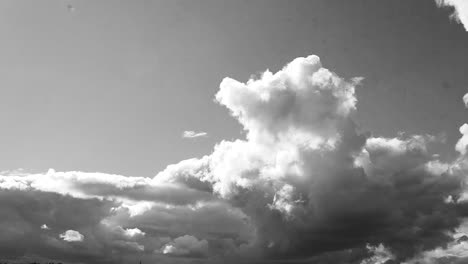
<point>138,194</point>
<point>133,232</point>
<point>380,255</point>
<point>303,101</point>
<point>44,227</point>
<point>193,134</point>
<point>460,13</point>
<point>186,245</point>
<point>72,236</point>
<point>304,167</point>
<point>462,143</point>
<point>465,100</point>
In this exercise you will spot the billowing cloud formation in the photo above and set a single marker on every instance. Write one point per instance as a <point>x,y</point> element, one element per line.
<point>460,10</point>
<point>72,236</point>
<point>193,134</point>
<point>304,185</point>
<point>380,255</point>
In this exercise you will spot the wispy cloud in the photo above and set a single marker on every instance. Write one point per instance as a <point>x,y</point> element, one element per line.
<point>460,12</point>
<point>193,134</point>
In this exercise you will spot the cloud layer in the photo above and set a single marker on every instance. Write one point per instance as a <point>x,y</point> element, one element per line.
<point>304,185</point>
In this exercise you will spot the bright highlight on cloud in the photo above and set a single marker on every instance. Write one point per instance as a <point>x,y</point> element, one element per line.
<point>186,245</point>
<point>72,236</point>
<point>193,134</point>
<point>304,185</point>
<point>460,10</point>
<point>133,232</point>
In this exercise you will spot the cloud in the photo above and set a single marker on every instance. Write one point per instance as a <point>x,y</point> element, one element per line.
<point>185,246</point>
<point>72,236</point>
<point>310,183</point>
<point>44,227</point>
<point>193,134</point>
<point>462,143</point>
<point>303,185</point>
<point>465,100</point>
<point>460,10</point>
<point>116,214</point>
<point>380,255</point>
<point>133,232</point>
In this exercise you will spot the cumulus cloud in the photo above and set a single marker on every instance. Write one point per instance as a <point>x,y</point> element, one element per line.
<point>462,143</point>
<point>72,236</point>
<point>186,245</point>
<point>193,134</point>
<point>460,10</point>
<point>137,193</point>
<point>380,255</point>
<point>304,185</point>
<point>133,232</point>
<point>310,183</point>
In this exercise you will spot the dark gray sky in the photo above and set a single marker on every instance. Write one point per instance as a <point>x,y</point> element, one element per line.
<point>111,85</point>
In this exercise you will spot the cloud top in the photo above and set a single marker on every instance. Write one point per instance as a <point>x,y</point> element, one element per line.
<point>72,236</point>
<point>460,10</point>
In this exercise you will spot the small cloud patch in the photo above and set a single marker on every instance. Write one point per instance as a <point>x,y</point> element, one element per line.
<point>72,236</point>
<point>193,134</point>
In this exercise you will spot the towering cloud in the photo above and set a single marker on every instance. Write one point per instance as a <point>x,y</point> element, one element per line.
<point>311,184</point>
<point>304,185</point>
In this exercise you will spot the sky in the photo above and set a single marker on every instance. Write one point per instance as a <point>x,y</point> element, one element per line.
<point>112,85</point>
<point>240,131</point>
